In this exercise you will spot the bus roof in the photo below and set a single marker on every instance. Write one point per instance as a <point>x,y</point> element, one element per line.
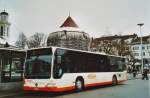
<point>75,50</point>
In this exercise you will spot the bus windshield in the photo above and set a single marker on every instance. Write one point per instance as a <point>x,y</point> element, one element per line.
<point>38,63</point>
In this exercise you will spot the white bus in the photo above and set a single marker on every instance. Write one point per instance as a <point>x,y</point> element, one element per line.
<point>58,69</point>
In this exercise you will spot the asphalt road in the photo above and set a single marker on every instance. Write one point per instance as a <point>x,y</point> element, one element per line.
<point>134,88</point>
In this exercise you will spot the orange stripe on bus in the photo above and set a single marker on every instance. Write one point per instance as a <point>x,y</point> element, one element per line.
<point>102,83</point>
<point>120,81</point>
<point>98,84</point>
<point>52,89</point>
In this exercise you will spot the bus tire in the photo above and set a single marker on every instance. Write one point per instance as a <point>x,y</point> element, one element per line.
<point>114,80</point>
<point>79,84</point>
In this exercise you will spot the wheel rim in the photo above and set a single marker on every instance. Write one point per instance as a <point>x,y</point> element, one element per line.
<point>114,81</point>
<point>79,85</point>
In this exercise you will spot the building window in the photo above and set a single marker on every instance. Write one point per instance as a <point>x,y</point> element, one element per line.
<point>136,54</point>
<point>143,53</point>
<point>136,48</point>
<point>1,33</point>
<point>143,47</point>
<point>148,47</point>
<point>4,31</point>
<point>7,31</point>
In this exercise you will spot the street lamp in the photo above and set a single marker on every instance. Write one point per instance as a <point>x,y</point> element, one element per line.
<point>141,39</point>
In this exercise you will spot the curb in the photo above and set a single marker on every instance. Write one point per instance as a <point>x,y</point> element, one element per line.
<point>138,76</point>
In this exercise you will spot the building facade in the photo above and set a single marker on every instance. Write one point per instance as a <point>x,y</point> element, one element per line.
<point>138,50</point>
<point>69,36</point>
<point>114,45</point>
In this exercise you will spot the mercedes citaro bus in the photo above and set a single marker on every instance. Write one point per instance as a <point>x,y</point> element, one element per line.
<point>58,69</point>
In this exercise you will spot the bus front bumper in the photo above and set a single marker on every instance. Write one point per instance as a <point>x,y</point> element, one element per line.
<point>49,89</point>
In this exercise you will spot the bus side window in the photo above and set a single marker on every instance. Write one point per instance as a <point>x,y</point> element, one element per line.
<point>58,64</point>
<point>58,71</point>
<point>58,59</point>
<point>58,67</point>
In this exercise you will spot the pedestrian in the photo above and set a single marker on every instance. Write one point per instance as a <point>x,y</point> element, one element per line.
<point>129,69</point>
<point>145,71</point>
<point>134,71</point>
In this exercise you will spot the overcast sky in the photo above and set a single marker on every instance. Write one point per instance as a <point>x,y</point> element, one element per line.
<point>96,17</point>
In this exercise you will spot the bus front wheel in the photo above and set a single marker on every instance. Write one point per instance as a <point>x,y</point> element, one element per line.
<point>79,84</point>
<point>114,80</point>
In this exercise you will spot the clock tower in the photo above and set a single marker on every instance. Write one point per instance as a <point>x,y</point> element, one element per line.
<point>4,25</point>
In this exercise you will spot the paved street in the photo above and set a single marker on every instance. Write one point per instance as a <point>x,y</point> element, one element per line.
<point>133,88</point>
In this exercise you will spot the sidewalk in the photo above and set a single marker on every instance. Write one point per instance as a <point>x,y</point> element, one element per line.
<point>138,76</point>
<point>10,93</point>
<point>130,76</point>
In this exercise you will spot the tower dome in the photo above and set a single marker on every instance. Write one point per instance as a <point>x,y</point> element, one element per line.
<point>69,36</point>
<point>69,22</point>
<point>4,13</point>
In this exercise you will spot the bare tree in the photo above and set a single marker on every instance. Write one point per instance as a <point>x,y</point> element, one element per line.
<point>36,40</point>
<point>114,47</point>
<point>21,42</point>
